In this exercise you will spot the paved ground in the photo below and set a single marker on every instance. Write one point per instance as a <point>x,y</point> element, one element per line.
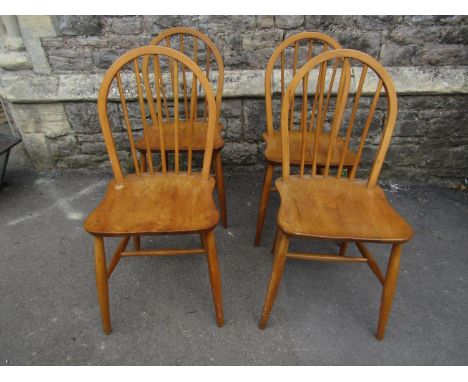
<point>162,310</point>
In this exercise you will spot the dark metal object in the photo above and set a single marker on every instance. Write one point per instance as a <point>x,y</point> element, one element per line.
<point>7,142</point>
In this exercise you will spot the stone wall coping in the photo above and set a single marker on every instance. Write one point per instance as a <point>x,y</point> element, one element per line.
<point>27,87</point>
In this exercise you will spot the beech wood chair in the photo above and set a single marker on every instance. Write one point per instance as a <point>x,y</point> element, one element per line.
<point>204,53</point>
<point>154,202</point>
<point>328,206</point>
<point>293,53</point>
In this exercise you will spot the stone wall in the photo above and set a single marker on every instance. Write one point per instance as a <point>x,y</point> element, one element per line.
<point>53,104</point>
<point>92,43</point>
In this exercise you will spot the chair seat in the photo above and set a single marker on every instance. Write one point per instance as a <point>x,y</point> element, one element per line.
<point>198,137</point>
<point>148,204</point>
<point>273,149</point>
<point>330,208</point>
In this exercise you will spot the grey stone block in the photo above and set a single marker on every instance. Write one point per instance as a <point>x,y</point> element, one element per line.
<point>261,39</point>
<point>405,35</point>
<point>255,120</point>
<point>93,148</point>
<point>420,20</point>
<point>71,59</point>
<point>156,24</point>
<point>396,55</point>
<point>377,23</point>
<point>367,42</point>
<point>48,119</point>
<point>83,161</point>
<point>104,58</point>
<point>289,21</point>
<point>440,54</point>
<point>232,108</point>
<point>15,61</point>
<point>235,153</point>
<point>264,22</point>
<point>233,130</point>
<point>37,150</point>
<point>125,25</point>
<point>80,25</point>
<point>455,35</point>
<point>212,25</point>
<point>328,23</point>
<point>63,146</point>
<point>127,42</point>
<point>83,117</point>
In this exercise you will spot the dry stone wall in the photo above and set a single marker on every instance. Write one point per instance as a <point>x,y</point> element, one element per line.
<point>431,138</point>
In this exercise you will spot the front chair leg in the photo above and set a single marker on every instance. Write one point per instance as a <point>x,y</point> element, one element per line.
<point>218,167</point>
<point>276,242</point>
<point>101,283</point>
<point>264,202</point>
<point>215,276</point>
<point>276,274</point>
<point>389,289</point>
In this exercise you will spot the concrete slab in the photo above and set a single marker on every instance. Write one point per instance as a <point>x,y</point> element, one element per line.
<point>161,308</point>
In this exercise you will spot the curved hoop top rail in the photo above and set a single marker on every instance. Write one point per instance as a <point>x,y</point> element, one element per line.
<point>384,82</point>
<point>168,33</point>
<point>310,37</point>
<point>113,73</point>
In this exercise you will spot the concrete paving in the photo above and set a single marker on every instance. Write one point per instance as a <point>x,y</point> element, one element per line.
<point>161,308</point>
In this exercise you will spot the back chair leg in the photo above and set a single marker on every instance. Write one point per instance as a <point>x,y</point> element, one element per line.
<point>220,186</point>
<point>203,241</point>
<point>143,163</point>
<point>275,279</point>
<point>137,242</point>
<point>264,202</point>
<point>343,247</point>
<point>389,290</point>
<point>101,283</point>
<point>215,276</point>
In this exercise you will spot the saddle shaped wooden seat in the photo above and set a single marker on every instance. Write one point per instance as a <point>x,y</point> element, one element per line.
<point>273,149</point>
<point>150,204</point>
<point>336,209</point>
<point>197,140</point>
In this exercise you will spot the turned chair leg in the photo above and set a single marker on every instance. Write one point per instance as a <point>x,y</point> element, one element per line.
<point>143,163</point>
<point>203,241</point>
<point>137,242</point>
<point>275,243</point>
<point>101,283</point>
<point>343,247</point>
<point>220,186</point>
<point>264,202</point>
<point>389,290</point>
<point>215,276</point>
<point>275,279</point>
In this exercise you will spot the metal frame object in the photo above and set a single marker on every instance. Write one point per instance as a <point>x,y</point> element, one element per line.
<point>6,144</point>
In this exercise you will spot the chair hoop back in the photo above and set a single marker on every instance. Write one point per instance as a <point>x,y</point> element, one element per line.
<point>210,50</point>
<point>314,40</point>
<point>146,85</point>
<point>378,80</point>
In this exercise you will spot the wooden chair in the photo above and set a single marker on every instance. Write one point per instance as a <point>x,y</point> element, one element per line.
<point>331,207</point>
<point>154,202</point>
<point>204,53</point>
<point>293,51</point>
